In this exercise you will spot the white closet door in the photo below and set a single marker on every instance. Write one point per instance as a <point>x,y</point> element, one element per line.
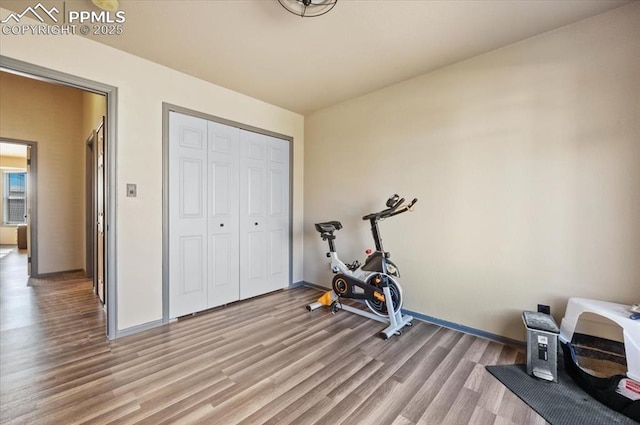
<point>264,214</point>
<point>278,213</point>
<point>187,214</point>
<point>253,214</point>
<point>223,223</point>
<point>228,214</point>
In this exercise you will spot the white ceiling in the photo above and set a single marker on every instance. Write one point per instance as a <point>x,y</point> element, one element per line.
<point>257,48</point>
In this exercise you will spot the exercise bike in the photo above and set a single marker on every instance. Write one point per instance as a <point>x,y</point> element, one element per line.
<point>374,282</point>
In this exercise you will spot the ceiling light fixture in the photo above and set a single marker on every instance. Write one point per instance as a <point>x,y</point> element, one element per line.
<point>308,8</point>
<point>108,5</point>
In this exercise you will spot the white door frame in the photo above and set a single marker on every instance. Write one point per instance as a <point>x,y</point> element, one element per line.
<point>111,93</point>
<point>166,109</point>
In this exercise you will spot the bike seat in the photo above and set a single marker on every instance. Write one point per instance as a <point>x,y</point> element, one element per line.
<point>328,227</point>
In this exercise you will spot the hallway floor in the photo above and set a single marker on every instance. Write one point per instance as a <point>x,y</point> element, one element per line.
<point>42,324</point>
<point>28,302</point>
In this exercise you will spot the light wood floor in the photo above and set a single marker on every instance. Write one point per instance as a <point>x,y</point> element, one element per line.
<point>263,361</point>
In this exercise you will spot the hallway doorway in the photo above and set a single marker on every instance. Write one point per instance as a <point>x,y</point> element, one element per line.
<point>18,194</point>
<point>66,230</point>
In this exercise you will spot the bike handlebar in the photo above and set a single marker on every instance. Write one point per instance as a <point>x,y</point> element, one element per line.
<point>390,212</point>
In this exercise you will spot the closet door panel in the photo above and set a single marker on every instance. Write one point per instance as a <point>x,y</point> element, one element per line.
<point>223,218</point>
<point>264,212</point>
<point>253,214</point>
<point>278,215</point>
<point>188,268</point>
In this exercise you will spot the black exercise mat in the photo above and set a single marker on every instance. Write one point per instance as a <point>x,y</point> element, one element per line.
<point>561,403</point>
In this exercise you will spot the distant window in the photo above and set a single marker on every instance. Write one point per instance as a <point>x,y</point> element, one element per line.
<point>15,197</point>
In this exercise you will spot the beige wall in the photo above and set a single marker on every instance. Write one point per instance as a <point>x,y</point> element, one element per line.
<point>8,234</point>
<point>142,88</point>
<point>94,107</point>
<point>526,163</point>
<point>51,115</point>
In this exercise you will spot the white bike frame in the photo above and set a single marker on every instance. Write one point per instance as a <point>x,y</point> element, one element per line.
<point>395,319</point>
<point>337,266</point>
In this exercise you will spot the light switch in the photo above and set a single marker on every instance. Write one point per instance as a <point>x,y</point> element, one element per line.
<point>132,190</point>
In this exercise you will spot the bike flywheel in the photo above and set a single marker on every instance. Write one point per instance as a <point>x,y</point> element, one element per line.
<point>379,306</point>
